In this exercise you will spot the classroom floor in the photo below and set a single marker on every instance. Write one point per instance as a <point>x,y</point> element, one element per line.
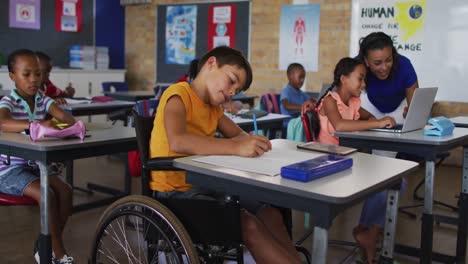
<point>19,226</point>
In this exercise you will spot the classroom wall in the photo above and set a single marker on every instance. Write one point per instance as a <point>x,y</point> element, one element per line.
<point>335,17</point>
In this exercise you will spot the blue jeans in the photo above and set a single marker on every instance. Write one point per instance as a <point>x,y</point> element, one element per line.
<point>373,211</point>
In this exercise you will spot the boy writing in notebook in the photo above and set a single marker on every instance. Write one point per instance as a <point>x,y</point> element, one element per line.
<point>187,118</point>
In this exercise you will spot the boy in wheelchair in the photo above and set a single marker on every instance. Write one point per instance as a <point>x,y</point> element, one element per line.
<point>187,118</point>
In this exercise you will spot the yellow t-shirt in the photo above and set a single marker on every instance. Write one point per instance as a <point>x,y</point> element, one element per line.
<point>201,119</point>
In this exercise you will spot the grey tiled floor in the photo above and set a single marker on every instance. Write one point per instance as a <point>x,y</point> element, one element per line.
<point>19,226</point>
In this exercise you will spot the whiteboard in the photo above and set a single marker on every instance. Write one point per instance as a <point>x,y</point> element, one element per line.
<point>443,60</point>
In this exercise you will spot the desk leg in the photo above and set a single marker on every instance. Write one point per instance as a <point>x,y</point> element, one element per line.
<point>320,245</point>
<point>44,246</point>
<point>390,226</point>
<point>428,217</point>
<point>463,211</point>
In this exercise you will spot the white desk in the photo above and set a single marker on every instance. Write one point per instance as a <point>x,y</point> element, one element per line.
<point>270,121</point>
<point>460,121</point>
<point>324,198</point>
<point>101,142</point>
<point>427,147</point>
<point>97,108</point>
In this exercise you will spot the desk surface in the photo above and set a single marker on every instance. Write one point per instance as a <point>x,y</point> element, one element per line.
<point>412,137</point>
<point>264,119</point>
<point>460,121</point>
<point>101,135</point>
<point>97,108</point>
<point>132,95</point>
<point>369,173</point>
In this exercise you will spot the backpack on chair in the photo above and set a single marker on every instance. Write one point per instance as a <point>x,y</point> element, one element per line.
<point>269,103</point>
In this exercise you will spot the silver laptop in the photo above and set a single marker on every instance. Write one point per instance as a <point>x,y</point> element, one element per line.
<point>418,112</point>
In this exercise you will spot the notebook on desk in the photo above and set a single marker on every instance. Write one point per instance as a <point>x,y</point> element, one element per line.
<point>418,112</point>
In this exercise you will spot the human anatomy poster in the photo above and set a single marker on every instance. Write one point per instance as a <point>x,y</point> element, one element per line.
<point>299,36</point>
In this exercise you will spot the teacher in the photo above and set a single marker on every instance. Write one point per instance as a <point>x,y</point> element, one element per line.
<point>390,79</point>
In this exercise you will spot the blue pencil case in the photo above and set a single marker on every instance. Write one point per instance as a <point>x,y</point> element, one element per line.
<point>319,167</point>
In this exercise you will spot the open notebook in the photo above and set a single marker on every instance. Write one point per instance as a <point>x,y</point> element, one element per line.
<point>268,164</point>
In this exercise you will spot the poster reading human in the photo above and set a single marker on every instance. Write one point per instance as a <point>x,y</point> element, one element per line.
<point>299,36</point>
<point>25,14</point>
<point>68,15</point>
<point>221,26</point>
<point>181,32</point>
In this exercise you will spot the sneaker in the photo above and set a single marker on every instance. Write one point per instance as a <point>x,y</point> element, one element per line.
<point>64,260</point>
<point>38,258</point>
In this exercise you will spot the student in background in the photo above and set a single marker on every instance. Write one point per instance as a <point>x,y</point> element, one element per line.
<point>21,177</point>
<point>49,89</point>
<point>292,97</point>
<point>186,121</point>
<point>339,109</point>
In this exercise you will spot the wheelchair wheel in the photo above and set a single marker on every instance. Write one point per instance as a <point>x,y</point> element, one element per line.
<point>139,229</point>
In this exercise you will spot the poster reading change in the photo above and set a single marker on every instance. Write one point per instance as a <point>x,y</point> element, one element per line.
<point>181,29</point>
<point>400,19</point>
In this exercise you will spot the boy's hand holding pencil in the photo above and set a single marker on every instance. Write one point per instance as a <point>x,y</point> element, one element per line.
<point>253,146</point>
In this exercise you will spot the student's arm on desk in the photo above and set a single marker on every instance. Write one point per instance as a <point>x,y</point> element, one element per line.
<point>8,124</point>
<point>182,142</point>
<point>330,109</point>
<point>62,116</point>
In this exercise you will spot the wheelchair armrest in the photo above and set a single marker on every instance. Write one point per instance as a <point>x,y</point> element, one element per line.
<point>161,164</point>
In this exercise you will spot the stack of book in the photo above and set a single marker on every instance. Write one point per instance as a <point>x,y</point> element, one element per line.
<point>102,58</point>
<point>89,57</point>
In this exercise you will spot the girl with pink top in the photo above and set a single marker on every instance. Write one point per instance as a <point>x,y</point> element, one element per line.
<point>339,109</point>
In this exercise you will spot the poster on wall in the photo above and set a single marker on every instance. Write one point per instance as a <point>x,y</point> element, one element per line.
<point>181,29</point>
<point>400,19</point>
<point>299,36</point>
<point>221,26</point>
<point>68,15</point>
<point>25,14</point>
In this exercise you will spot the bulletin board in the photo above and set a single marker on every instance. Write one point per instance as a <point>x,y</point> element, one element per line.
<point>54,43</point>
<point>170,72</point>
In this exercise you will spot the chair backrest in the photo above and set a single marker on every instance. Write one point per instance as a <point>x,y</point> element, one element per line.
<point>270,103</point>
<point>306,124</point>
<point>143,128</point>
<point>118,86</point>
<point>159,89</point>
<point>146,107</point>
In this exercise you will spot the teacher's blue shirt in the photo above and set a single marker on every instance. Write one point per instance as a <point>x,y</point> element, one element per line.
<point>386,95</point>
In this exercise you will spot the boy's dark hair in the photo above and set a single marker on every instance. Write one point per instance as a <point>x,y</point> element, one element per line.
<point>42,56</point>
<point>377,41</point>
<point>193,69</point>
<point>18,53</point>
<point>294,66</point>
<point>344,67</point>
<point>228,56</point>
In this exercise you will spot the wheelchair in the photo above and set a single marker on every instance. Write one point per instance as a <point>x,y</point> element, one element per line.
<point>149,229</point>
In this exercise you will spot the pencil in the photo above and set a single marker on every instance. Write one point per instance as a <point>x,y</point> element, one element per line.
<point>255,124</point>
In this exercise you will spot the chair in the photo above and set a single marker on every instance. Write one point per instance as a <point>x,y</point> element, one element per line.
<point>403,209</point>
<point>270,103</point>
<point>175,229</point>
<point>9,200</point>
<point>160,88</point>
<point>118,86</point>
